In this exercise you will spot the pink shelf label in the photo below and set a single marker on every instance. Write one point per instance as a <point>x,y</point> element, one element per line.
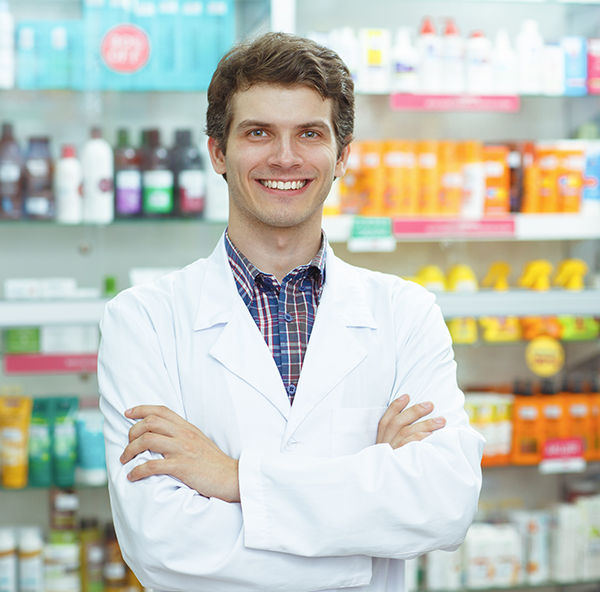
<point>501,103</point>
<point>50,364</point>
<point>454,228</point>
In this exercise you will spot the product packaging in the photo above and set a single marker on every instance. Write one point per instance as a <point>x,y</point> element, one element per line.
<point>31,559</point>
<point>188,176</point>
<point>497,180</point>
<point>8,560</point>
<point>15,414</point>
<point>92,556</point>
<point>479,64</point>
<point>527,430</point>
<point>474,184</point>
<point>97,161</point>
<point>374,60</point>
<point>566,544</point>
<point>25,340</point>
<point>453,60</point>
<point>91,459</point>
<point>64,441</point>
<point>576,62</point>
<point>7,47</point>
<point>443,570</point>
<point>67,187</point>
<point>593,66</point>
<point>590,196</point>
<point>61,567</point>
<point>429,46</point>
<point>374,178</point>
<point>40,443</point>
<point>530,58</point>
<point>504,65</point>
<point>451,179</point>
<point>428,166</point>
<point>64,506</point>
<point>11,175</point>
<point>404,77</point>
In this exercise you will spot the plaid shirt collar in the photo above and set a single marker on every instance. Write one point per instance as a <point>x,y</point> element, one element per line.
<point>246,274</point>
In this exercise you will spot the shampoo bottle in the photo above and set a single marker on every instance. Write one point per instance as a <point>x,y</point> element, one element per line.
<point>479,64</point>
<point>98,170</point>
<point>67,187</point>
<point>453,60</point>
<point>504,65</point>
<point>31,560</point>
<point>405,64</point>
<point>530,52</point>
<point>8,560</point>
<point>429,46</point>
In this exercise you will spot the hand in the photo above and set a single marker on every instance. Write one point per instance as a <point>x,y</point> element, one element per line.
<point>399,426</point>
<point>188,455</point>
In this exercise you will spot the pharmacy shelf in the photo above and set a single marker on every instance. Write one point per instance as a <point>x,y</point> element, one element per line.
<point>35,313</point>
<point>519,303</point>
<point>519,227</point>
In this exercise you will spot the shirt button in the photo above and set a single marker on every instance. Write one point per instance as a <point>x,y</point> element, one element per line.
<point>291,444</point>
<point>291,389</point>
<point>288,317</point>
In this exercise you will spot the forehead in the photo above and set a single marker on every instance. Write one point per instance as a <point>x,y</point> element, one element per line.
<point>280,105</point>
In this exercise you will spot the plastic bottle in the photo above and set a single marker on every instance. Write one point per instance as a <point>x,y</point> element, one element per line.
<point>11,175</point>
<point>157,178</point>
<point>7,46</point>
<point>530,54</point>
<point>189,178</point>
<point>344,42</point>
<point>479,64</point>
<point>453,59</point>
<point>374,60</point>
<point>405,64</point>
<point>31,560</point>
<point>97,161</point>
<point>473,199</point>
<point>38,201</point>
<point>8,560</point>
<point>429,46</point>
<point>504,65</point>
<point>92,555</point>
<point>128,178</point>
<point>67,187</point>
<point>115,569</point>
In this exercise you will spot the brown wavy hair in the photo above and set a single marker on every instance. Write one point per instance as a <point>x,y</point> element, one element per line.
<point>280,58</point>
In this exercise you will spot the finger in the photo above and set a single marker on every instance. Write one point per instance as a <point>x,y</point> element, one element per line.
<point>395,407</point>
<point>147,442</point>
<point>407,417</point>
<point>416,437</point>
<point>417,431</point>
<point>142,411</point>
<point>154,424</point>
<point>157,466</point>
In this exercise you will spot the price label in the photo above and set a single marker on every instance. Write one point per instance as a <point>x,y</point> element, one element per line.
<point>125,49</point>
<point>562,455</point>
<point>371,235</point>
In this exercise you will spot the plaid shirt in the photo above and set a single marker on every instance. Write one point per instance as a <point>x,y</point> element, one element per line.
<point>284,313</point>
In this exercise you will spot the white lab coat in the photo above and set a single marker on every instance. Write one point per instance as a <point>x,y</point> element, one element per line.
<point>322,506</point>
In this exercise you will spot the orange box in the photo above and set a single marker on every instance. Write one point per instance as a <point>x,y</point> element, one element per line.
<point>595,409</point>
<point>531,201</point>
<point>373,178</point>
<point>555,423</point>
<point>429,177</point>
<point>527,430</point>
<point>402,183</point>
<point>497,180</point>
<point>571,165</point>
<point>451,179</point>
<point>547,161</point>
<point>350,188</point>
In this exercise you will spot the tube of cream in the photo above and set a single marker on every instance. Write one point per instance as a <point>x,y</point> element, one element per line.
<point>15,416</point>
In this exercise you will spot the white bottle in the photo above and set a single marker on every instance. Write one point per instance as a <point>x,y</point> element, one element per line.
<point>404,77</point>
<point>453,59</point>
<point>473,202</point>
<point>345,43</point>
<point>67,187</point>
<point>479,64</point>
<point>553,75</point>
<point>97,161</point>
<point>530,55</point>
<point>504,65</point>
<point>31,560</point>
<point>7,46</point>
<point>429,46</point>
<point>8,560</point>
<point>375,48</point>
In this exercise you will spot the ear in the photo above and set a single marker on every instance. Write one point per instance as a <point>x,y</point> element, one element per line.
<point>216,156</point>
<point>342,162</point>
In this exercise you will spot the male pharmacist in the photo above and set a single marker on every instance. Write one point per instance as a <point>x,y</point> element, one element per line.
<point>268,410</point>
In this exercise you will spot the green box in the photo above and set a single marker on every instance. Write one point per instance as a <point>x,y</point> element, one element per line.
<point>24,340</point>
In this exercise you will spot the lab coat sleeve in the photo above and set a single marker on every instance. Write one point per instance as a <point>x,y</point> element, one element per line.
<point>379,502</point>
<point>172,537</point>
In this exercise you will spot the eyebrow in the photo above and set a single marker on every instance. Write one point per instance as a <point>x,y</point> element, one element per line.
<point>255,123</point>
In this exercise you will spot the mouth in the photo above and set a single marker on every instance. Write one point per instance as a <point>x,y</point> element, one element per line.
<point>284,185</point>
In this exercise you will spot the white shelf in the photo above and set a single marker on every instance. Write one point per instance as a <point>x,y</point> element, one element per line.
<point>35,313</point>
<point>519,303</point>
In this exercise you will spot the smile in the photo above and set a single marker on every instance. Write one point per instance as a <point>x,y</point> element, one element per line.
<point>285,185</point>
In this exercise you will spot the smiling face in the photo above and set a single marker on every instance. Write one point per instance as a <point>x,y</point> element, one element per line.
<point>281,158</point>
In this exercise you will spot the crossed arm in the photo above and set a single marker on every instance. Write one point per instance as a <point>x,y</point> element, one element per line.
<point>197,461</point>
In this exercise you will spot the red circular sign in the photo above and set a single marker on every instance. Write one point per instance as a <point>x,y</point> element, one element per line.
<point>125,49</point>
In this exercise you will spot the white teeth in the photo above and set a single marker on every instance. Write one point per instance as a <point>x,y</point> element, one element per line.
<point>284,185</point>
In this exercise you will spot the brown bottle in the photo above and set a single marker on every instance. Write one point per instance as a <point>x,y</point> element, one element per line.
<point>11,176</point>
<point>115,569</point>
<point>38,201</point>
<point>157,178</point>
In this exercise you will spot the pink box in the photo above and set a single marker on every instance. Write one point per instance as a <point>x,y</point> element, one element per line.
<point>593,82</point>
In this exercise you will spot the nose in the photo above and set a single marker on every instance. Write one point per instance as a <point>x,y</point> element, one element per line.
<point>284,153</point>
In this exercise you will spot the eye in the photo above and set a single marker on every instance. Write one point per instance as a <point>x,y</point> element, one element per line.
<point>310,134</point>
<point>257,133</point>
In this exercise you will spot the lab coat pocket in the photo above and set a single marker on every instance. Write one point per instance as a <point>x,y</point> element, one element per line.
<point>354,429</point>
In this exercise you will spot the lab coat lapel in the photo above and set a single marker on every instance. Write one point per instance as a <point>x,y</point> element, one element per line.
<point>240,347</point>
<point>333,350</point>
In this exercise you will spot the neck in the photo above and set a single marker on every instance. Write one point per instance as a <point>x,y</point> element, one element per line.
<point>277,250</point>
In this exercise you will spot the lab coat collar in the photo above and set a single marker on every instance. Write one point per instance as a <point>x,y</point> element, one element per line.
<point>333,350</point>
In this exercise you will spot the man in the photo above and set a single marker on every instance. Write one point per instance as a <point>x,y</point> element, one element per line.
<point>258,428</point>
